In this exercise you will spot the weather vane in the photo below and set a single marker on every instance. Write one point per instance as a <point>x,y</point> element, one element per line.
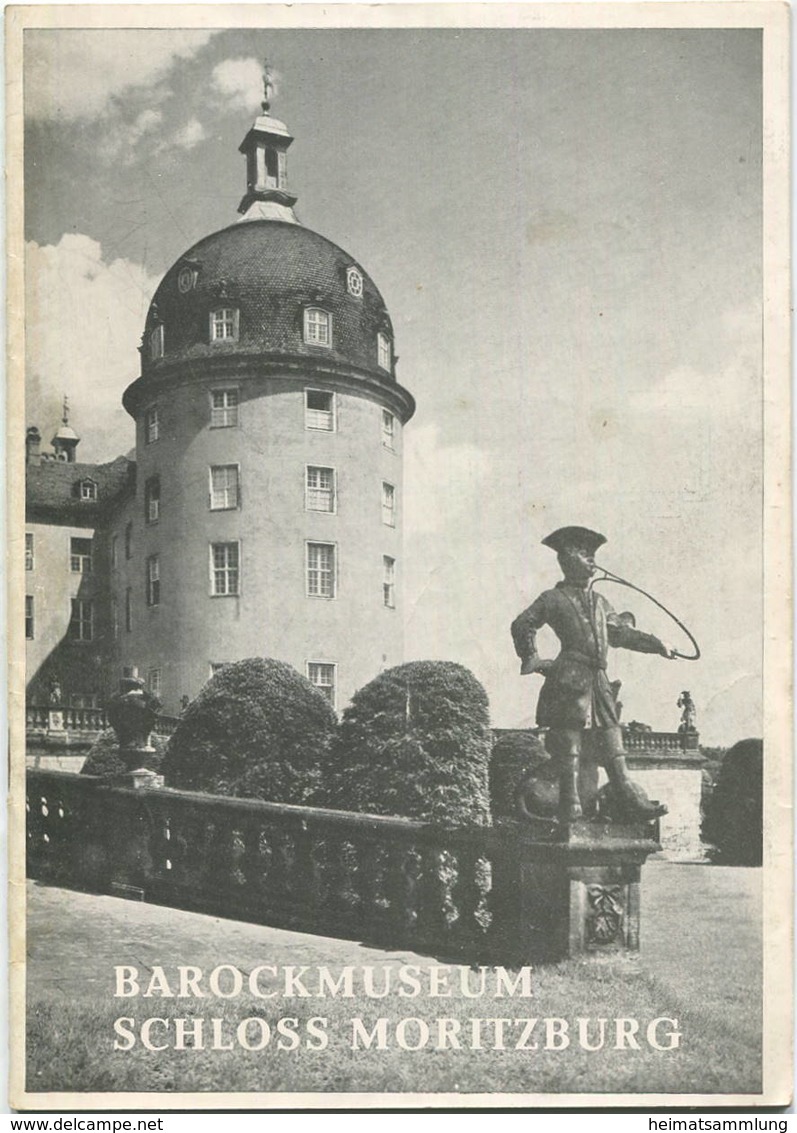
<point>268,87</point>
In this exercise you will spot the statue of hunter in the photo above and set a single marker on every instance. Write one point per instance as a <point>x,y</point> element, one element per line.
<point>577,704</point>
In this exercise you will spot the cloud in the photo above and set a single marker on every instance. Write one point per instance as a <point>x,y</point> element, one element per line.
<point>125,138</point>
<point>78,73</point>
<point>84,323</point>
<point>239,83</point>
<point>441,481</point>
<point>191,135</point>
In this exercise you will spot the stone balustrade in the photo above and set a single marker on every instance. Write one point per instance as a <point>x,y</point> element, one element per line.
<point>504,891</point>
<point>37,718</point>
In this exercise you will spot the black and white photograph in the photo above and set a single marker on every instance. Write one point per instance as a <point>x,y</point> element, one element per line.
<point>399,506</point>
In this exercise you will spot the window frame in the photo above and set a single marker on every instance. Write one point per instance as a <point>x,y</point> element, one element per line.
<point>88,490</point>
<point>333,573</point>
<point>226,568</point>
<point>82,558</point>
<point>389,435</point>
<point>333,665</point>
<point>30,618</point>
<point>128,609</point>
<point>151,497</point>
<point>389,582</point>
<point>30,551</point>
<point>332,412</point>
<point>152,428</point>
<point>227,506</point>
<point>128,541</point>
<point>153,581</point>
<point>216,319</point>
<point>224,391</point>
<point>152,682</point>
<point>84,623</point>
<point>157,342</point>
<point>384,351</point>
<point>310,323</point>
<point>333,490</point>
<point>389,513</point>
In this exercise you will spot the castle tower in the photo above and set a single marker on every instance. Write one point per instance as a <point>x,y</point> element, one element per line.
<point>268,509</point>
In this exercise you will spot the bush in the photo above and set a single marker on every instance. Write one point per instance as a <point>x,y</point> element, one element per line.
<point>104,759</point>
<point>734,820</point>
<point>257,729</point>
<point>515,755</point>
<point>415,742</point>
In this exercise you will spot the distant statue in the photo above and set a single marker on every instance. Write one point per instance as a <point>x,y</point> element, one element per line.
<point>577,703</point>
<point>132,713</point>
<point>688,712</point>
<point>55,692</point>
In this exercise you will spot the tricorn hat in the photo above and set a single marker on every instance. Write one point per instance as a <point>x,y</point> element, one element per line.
<point>566,536</point>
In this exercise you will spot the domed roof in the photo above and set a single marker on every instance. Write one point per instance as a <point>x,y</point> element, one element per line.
<point>270,273</point>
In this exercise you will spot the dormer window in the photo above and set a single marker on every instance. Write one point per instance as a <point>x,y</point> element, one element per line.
<point>224,324</point>
<point>384,352</point>
<point>88,490</point>
<point>317,327</point>
<point>156,342</point>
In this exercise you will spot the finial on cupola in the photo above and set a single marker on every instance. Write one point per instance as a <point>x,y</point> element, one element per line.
<point>266,150</point>
<point>66,439</point>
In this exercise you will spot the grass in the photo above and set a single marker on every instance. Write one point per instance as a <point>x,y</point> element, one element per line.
<point>70,1044</point>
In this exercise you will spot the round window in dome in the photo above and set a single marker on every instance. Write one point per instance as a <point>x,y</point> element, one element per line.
<point>185,280</point>
<point>354,282</point>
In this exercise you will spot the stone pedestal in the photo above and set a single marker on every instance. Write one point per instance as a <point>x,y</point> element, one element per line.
<point>579,887</point>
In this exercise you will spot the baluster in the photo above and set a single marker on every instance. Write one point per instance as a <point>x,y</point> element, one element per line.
<point>306,878</point>
<point>469,892</point>
<point>368,879</point>
<point>403,871</point>
<point>433,895</point>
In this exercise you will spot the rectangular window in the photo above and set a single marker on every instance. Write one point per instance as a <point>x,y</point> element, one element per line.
<point>383,351</point>
<point>114,552</point>
<point>81,625</point>
<point>29,625</point>
<point>223,408</point>
<point>224,568</point>
<point>388,504</point>
<point>322,675</point>
<point>154,681</point>
<point>321,570</point>
<point>389,581</point>
<point>115,618</point>
<point>223,486</point>
<point>320,489</point>
<point>153,580</point>
<point>129,609</point>
<point>80,555</point>
<point>151,425</point>
<point>128,540</point>
<point>29,560</point>
<point>319,412</point>
<point>224,324</point>
<point>388,429</point>
<point>317,327</point>
<point>156,342</point>
<point>88,490</point>
<point>152,499</point>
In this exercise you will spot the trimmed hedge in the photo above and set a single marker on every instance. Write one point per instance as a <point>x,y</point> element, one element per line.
<point>104,760</point>
<point>415,742</point>
<point>258,729</point>
<point>734,819</point>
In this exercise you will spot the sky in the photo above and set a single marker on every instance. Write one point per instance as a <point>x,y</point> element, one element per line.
<point>566,228</point>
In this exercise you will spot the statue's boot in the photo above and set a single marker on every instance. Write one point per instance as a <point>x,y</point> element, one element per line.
<point>630,795</point>
<point>569,803</point>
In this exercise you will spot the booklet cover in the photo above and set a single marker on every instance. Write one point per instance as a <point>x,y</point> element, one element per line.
<point>399,511</point>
